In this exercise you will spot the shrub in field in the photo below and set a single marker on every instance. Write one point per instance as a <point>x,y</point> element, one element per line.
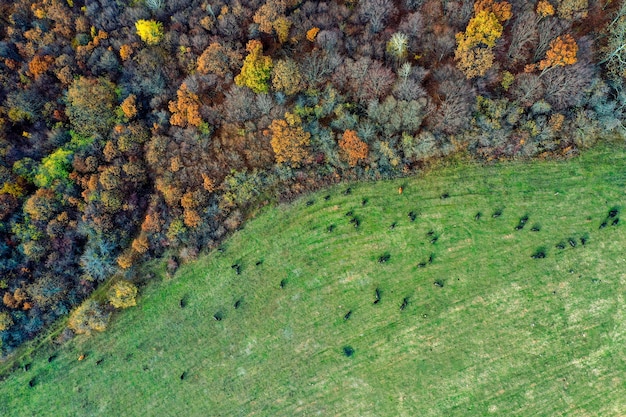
<point>88,317</point>
<point>122,294</point>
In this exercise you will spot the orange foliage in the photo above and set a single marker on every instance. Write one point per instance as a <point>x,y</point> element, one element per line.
<point>129,106</point>
<point>502,9</point>
<point>191,218</point>
<point>40,64</point>
<point>311,34</point>
<point>562,52</point>
<point>152,223</point>
<point>354,147</point>
<point>289,141</point>
<point>127,259</point>
<point>186,109</point>
<point>141,244</point>
<point>125,51</point>
<point>544,9</point>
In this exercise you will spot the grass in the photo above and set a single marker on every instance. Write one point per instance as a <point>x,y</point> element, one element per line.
<point>484,328</point>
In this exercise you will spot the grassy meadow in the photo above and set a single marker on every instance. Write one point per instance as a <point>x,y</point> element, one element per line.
<point>467,322</point>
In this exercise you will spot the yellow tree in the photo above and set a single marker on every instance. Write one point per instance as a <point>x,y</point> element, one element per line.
<point>474,53</point>
<point>257,69</point>
<point>149,31</point>
<point>289,141</point>
<point>122,294</point>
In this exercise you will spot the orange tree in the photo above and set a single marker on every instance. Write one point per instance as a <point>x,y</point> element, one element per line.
<point>355,149</point>
<point>289,141</point>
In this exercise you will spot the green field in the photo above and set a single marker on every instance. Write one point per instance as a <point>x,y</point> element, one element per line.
<point>500,333</point>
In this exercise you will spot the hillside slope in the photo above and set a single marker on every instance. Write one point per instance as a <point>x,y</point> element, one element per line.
<point>466,323</point>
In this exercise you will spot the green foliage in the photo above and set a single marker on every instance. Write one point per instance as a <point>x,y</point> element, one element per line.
<point>492,296</point>
<point>56,166</point>
<point>257,69</point>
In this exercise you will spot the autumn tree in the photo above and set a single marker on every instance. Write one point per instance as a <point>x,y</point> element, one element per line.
<point>474,52</point>
<point>129,106</point>
<point>91,103</point>
<point>122,294</point>
<point>271,18</point>
<point>286,76</point>
<point>88,317</point>
<point>562,52</point>
<point>218,59</point>
<point>354,148</point>
<point>289,141</point>
<point>257,69</point>
<point>149,31</point>
<point>186,109</point>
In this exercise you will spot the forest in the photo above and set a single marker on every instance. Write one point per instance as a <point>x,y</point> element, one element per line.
<point>137,129</point>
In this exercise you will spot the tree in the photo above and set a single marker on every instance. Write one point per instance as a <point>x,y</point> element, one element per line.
<point>286,76</point>
<point>257,69</point>
<point>474,46</point>
<point>562,52</point>
<point>129,106</point>
<point>218,60</point>
<point>88,317</point>
<point>289,141</point>
<point>398,46</point>
<point>122,294</point>
<point>355,149</point>
<point>91,103</point>
<point>614,54</point>
<point>573,9</point>
<point>149,31</point>
<point>186,109</point>
<point>5,321</point>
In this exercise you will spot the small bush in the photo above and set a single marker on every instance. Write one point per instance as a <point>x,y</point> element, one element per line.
<point>87,317</point>
<point>122,294</point>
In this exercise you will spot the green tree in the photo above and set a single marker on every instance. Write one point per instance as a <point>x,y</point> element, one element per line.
<point>257,69</point>
<point>91,106</point>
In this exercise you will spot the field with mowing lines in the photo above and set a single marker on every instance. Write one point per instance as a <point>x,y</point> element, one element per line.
<point>494,290</point>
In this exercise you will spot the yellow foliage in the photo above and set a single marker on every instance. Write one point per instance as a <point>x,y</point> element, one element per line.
<point>311,34</point>
<point>88,317</point>
<point>149,31</point>
<point>544,9</point>
<point>483,28</point>
<point>474,62</point>
<point>502,10</point>
<point>122,294</point>
<point>282,26</point>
